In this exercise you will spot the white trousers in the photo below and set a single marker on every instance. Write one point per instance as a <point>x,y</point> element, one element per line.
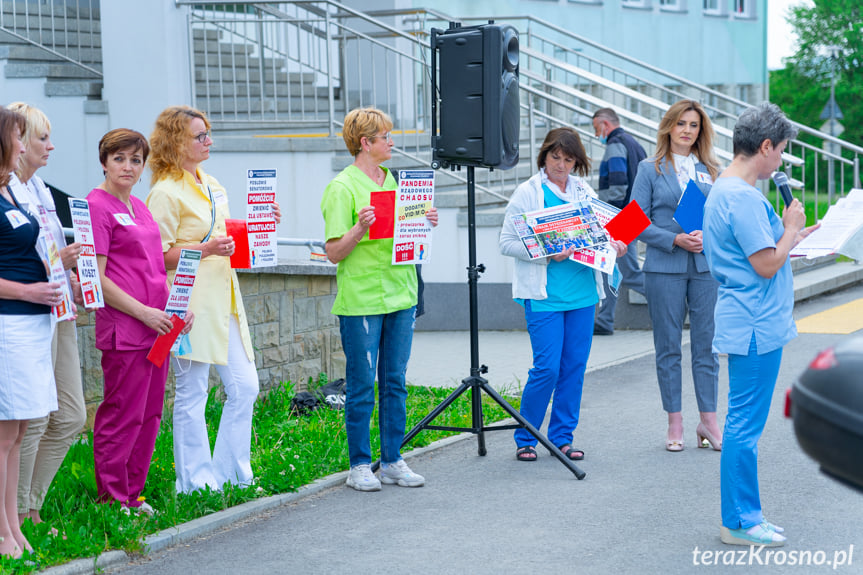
<point>231,459</point>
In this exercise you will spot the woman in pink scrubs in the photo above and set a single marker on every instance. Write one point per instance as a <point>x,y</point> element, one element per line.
<point>134,283</point>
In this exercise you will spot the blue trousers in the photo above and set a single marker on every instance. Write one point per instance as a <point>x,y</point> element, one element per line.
<point>668,297</point>
<point>383,342</point>
<point>561,345</point>
<point>751,380</point>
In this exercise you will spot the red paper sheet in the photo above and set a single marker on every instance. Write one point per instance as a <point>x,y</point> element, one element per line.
<point>385,215</point>
<point>237,230</point>
<point>628,224</point>
<point>163,343</point>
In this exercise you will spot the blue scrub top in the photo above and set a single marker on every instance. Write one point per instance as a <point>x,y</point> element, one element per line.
<point>738,222</point>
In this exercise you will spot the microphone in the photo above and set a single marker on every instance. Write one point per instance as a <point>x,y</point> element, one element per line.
<point>781,181</point>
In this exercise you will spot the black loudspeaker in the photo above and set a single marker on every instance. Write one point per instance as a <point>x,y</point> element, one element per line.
<point>479,102</point>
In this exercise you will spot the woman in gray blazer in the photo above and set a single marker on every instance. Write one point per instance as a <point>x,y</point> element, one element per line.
<point>676,277</point>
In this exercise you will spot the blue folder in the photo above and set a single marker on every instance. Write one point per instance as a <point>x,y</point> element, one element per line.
<point>690,209</point>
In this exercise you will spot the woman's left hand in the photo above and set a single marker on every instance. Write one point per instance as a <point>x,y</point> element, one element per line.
<point>277,212</point>
<point>619,247</point>
<point>189,319</point>
<point>431,216</point>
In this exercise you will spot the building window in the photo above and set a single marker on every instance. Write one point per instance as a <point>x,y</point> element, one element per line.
<point>744,8</point>
<point>636,3</point>
<point>672,5</point>
<point>715,7</point>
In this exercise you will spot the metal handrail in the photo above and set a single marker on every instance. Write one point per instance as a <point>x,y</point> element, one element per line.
<point>551,95</point>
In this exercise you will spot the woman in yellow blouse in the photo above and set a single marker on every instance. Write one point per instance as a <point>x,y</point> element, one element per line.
<point>190,207</point>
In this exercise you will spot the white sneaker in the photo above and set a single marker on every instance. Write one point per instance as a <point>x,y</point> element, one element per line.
<point>400,473</point>
<point>361,478</point>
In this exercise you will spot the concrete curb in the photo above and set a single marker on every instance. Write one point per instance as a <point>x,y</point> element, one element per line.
<point>215,521</point>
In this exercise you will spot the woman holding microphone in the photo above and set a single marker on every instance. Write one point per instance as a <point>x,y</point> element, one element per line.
<point>747,247</point>
<point>676,278</point>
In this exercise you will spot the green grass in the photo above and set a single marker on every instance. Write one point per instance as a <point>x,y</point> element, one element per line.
<point>288,451</point>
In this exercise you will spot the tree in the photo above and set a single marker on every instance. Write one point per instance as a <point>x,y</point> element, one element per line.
<point>800,87</point>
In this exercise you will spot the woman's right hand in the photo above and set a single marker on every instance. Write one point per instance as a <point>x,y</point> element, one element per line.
<point>366,216</point>
<point>156,319</point>
<point>794,217</point>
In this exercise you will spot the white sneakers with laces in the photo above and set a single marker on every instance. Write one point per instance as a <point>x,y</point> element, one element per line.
<point>399,473</point>
<point>361,478</point>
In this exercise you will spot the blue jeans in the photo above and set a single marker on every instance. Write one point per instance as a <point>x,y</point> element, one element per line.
<point>751,379</point>
<point>561,345</point>
<point>384,340</point>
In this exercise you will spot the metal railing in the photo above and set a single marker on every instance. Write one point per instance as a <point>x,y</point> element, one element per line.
<point>305,63</point>
<point>69,31</point>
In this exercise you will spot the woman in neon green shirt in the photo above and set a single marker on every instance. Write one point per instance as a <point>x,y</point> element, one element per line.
<point>376,303</point>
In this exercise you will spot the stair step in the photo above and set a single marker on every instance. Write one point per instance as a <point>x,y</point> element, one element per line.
<point>61,39</point>
<point>227,74</point>
<point>215,46</point>
<point>47,70</point>
<point>230,105</point>
<point>34,53</point>
<point>199,34</point>
<point>236,61</point>
<point>91,89</point>
<point>59,23</point>
<point>253,89</point>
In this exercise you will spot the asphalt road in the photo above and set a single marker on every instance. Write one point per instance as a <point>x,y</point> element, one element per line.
<point>641,510</point>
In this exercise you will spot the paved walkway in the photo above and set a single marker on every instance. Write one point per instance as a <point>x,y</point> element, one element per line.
<point>641,510</point>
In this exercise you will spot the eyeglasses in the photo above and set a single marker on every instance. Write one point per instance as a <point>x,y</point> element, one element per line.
<point>202,137</point>
<point>386,136</point>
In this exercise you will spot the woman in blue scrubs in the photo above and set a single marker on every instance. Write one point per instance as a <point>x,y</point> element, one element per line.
<point>747,247</point>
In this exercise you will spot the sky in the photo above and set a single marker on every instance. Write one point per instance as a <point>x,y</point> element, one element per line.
<point>780,39</point>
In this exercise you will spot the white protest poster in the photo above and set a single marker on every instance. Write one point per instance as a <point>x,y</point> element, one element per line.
<point>412,234</point>
<point>57,273</point>
<point>88,267</point>
<point>184,281</point>
<point>181,287</point>
<point>260,219</point>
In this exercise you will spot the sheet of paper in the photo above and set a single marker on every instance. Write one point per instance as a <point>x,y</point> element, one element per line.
<point>412,232</point>
<point>88,268</point>
<point>385,210</point>
<point>261,220</point>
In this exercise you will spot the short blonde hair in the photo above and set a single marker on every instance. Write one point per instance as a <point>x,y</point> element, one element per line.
<point>364,123</point>
<point>36,123</point>
<point>169,140</point>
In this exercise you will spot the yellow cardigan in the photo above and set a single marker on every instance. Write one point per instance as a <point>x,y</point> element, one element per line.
<point>183,211</point>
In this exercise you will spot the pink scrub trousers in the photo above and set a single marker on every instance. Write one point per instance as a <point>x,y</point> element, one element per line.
<point>126,425</point>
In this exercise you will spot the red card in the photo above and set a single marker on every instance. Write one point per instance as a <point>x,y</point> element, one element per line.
<point>385,215</point>
<point>237,230</point>
<point>628,224</point>
<point>163,343</point>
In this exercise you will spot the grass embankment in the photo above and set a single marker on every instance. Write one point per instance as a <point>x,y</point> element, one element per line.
<point>288,451</point>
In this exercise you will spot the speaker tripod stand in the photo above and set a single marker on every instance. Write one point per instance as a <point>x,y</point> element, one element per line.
<point>475,383</point>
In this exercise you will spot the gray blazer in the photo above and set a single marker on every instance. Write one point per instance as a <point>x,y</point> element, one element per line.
<point>657,195</point>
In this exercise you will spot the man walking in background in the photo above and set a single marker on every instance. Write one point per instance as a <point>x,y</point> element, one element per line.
<point>616,175</point>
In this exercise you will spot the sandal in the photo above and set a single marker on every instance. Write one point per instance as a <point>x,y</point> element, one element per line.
<point>526,453</point>
<point>571,453</point>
